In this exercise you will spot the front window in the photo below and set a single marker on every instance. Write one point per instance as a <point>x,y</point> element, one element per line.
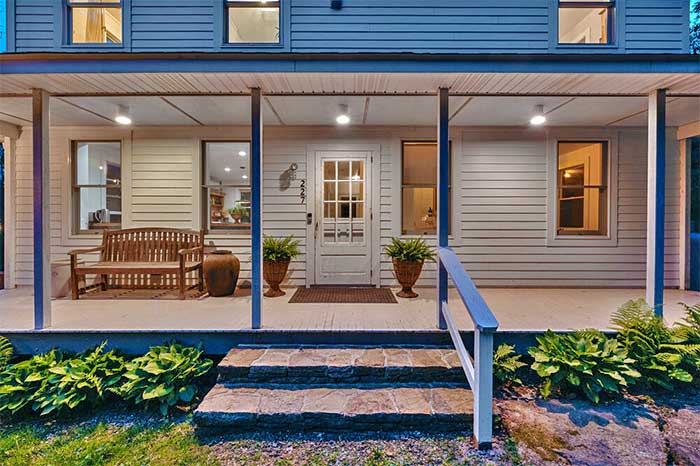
<point>419,188</point>
<point>586,22</point>
<point>582,186</point>
<point>253,22</point>
<point>95,21</point>
<point>226,185</point>
<point>97,186</point>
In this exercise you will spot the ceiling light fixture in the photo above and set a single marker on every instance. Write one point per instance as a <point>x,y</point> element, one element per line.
<point>227,169</point>
<point>245,177</point>
<point>343,118</point>
<point>242,153</point>
<point>122,117</point>
<point>538,118</point>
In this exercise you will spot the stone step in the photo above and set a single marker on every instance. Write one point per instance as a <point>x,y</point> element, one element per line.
<point>438,407</point>
<point>340,365</point>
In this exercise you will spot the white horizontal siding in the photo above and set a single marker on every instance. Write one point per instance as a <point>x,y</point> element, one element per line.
<point>498,229</point>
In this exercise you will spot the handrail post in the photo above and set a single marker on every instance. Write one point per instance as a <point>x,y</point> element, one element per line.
<point>483,389</point>
<point>443,181</point>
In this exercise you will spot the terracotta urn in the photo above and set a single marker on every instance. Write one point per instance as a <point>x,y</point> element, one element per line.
<point>407,273</point>
<point>274,273</point>
<point>221,269</point>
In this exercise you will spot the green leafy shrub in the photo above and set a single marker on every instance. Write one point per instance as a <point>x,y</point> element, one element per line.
<point>280,249</point>
<point>410,250</point>
<point>658,351</point>
<point>164,376</point>
<point>585,361</point>
<point>6,352</point>
<point>55,382</point>
<point>506,364</point>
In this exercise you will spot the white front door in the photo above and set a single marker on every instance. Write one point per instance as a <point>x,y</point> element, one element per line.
<point>343,231</point>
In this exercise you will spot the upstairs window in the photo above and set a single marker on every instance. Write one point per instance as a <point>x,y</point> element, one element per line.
<point>95,21</point>
<point>253,22</point>
<point>586,22</point>
<point>97,186</point>
<point>582,185</point>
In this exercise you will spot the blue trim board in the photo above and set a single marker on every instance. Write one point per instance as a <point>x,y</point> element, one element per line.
<point>3,26</point>
<point>443,181</point>
<point>56,63</point>
<point>660,202</point>
<point>256,205</point>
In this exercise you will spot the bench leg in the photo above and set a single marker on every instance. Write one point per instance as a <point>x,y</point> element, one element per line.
<point>181,283</point>
<point>74,280</point>
<point>200,278</point>
<point>103,285</point>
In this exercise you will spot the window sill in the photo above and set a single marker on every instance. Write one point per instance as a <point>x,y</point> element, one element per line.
<point>587,46</point>
<point>93,46</point>
<point>252,45</point>
<point>581,240</point>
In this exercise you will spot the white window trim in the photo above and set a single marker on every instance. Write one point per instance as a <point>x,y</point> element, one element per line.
<point>555,136</point>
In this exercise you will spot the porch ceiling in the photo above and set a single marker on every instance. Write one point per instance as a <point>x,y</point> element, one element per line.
<point>352,83</point>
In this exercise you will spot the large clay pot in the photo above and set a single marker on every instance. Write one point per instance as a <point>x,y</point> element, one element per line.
<point>274,273</point>
<point>221,269</point>
<point>407,273</point>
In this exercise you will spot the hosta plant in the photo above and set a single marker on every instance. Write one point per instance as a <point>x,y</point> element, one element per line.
<point>6,352</point>
<point>585,361</point>
<point>410,250</point>
<point>658,351</point>
<point>165,376</point>
<point>20,382</point>
<point>506,364</point>
<point>84,380</point>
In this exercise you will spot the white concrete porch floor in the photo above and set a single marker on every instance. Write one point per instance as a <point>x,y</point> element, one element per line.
<point>515,308</point>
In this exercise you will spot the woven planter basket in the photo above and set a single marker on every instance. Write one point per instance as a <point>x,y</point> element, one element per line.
<point>274,273</point>
<point>407,273</point>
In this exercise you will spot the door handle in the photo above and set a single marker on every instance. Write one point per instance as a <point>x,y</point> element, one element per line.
<point>309,218</point>
<point>316,229</point>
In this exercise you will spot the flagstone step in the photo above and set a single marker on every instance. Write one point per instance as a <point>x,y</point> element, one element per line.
<point>310,365</point>
<point>436,407</point>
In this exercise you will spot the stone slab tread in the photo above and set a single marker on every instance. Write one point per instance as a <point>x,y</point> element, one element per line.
<point>434,408</point>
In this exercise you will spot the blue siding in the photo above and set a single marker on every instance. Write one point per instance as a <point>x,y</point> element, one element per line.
<point>657,26</point>
<point>420,26</point>
<point>35,24</point>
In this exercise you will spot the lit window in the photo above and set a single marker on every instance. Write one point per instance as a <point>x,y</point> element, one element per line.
<point>253,22</point>
<point>97,186</point>
<point>226,185</point>
<point>582,186</point>
<point>95,21</point>
<point>586,22</point>
<point>419,188</point>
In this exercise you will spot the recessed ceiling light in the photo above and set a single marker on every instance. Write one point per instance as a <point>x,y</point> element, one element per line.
<point>343,118</point>
<point>245,177</point>
<point>538,118</point>
<point>242,153</point>
<point>101,167</point>
<point>122,117</point>
<point>227,169</point>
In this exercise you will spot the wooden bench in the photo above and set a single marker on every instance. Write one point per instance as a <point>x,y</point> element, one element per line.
<point>144,258</point>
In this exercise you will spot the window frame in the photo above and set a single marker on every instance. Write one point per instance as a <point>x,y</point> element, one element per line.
<point>283,12</point>
<point>204,187</point>
<point>403,185</point>
<point>74,206</point>
<point>615,43</point>
<point>610,137</point>
<point>68,6</point>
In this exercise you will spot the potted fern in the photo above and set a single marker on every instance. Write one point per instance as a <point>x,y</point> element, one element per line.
<point>237,212</point>
<point>408,257</point>
<point>277,254</point>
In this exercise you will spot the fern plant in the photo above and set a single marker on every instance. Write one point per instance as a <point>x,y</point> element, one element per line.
<point>658,350</point>
<point>410,250</point>
<point>688,329</point>
<point>280,249</point>
<point>506,364</point>
<point>585,361</point>
<point>6,352</point>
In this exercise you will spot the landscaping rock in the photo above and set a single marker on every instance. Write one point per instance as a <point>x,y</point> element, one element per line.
<point>682,434</point>
<point>577,432</point>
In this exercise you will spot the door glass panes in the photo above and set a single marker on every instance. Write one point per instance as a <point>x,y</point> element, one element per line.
<point>343,197</point>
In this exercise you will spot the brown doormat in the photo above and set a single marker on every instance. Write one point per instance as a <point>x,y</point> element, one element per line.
<point>349,295</point>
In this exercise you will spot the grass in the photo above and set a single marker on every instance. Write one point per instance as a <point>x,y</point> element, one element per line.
<point>103,444</point>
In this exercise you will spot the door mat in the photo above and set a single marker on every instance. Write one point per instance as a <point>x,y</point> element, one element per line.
<point>349,295</point>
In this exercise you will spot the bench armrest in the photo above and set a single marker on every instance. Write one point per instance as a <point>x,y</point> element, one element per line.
<point>184,252</point>
<point>75,252</point>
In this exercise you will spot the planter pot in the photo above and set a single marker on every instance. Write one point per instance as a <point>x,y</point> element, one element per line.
<point>274,273</point>
<point>407,273</point>
<point>221,269</point>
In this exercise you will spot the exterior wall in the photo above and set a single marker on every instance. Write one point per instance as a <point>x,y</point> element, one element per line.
<point>441,26</point>
<point>499,223</point>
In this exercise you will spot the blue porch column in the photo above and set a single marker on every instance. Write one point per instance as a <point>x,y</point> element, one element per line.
<point>443,180</point>
<point>656,199</point>
<point>41,200</point>
<point>256,135</point>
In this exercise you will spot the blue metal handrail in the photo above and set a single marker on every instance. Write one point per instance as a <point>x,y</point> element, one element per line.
<point>480,372</point>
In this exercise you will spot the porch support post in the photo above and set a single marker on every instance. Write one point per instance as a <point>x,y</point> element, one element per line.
<point>443,180</point>
<point>256,135</point>
<point>656,198</point>
<point>41,200</point>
